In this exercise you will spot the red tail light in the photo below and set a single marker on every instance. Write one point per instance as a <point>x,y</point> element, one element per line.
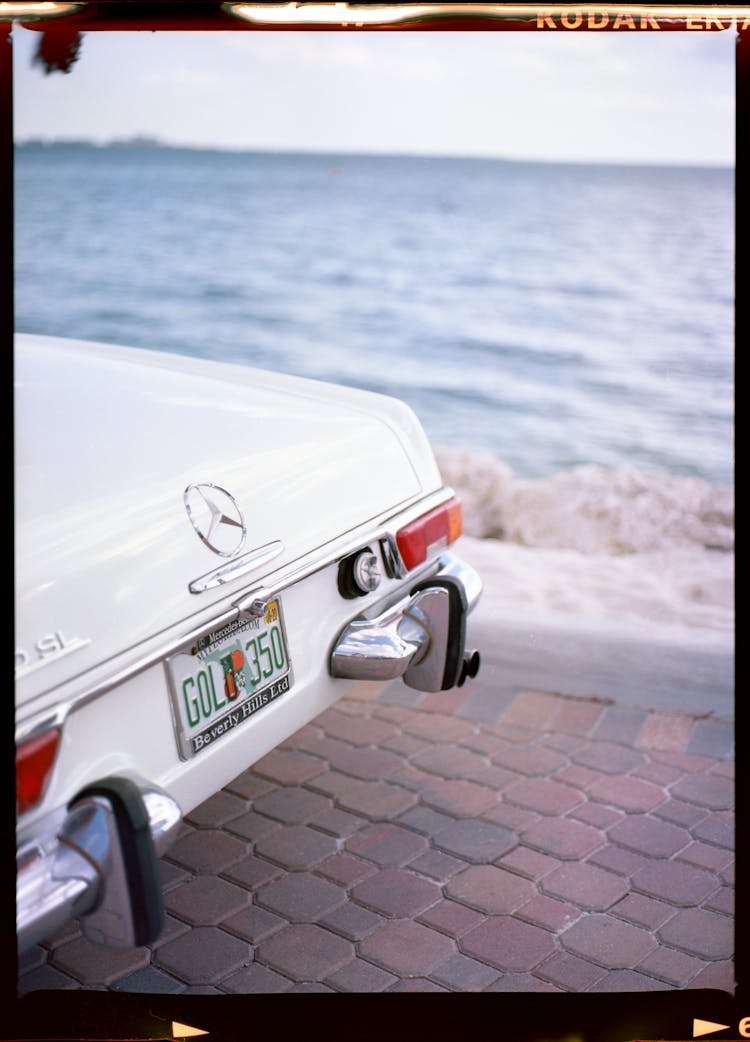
<point>432,531</point>
<point>34,760</point>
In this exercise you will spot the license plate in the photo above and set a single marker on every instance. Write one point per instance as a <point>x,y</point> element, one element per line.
<point>226,677</point>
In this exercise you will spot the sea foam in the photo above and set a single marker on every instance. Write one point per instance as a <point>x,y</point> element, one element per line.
<point>603,543</point>
<point>589,508</point>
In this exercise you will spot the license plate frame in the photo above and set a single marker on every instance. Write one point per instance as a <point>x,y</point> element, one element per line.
<point>224,678</point>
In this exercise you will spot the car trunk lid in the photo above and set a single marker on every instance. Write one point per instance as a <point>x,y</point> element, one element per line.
<point>109,439</point>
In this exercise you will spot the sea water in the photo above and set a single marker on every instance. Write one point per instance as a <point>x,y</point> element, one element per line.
<point>551,315</point>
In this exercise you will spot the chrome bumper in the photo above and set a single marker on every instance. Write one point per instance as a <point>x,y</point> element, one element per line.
<point>421,638</point>
<point>100,864</point>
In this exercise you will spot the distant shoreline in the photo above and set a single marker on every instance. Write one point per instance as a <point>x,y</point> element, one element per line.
<point>145,143</point>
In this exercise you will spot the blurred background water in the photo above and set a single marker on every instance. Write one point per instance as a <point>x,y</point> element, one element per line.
<point>550,314</point>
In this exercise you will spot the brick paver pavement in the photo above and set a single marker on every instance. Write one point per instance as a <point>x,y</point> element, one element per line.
<point>411,842</point>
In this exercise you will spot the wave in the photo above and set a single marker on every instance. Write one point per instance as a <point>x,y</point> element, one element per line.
<point>589,508</point>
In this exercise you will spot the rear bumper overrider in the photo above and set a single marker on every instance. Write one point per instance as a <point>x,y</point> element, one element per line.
<point>101,864</point>
<point>422,638</point>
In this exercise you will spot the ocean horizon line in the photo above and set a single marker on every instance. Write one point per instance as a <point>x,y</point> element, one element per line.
<point>145,142</point>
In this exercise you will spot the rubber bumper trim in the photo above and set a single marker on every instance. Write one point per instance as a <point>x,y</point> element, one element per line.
<point>138,854</point>
<point>458,610</point>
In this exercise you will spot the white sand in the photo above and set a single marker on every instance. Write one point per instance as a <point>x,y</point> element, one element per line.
<point>688,587</point>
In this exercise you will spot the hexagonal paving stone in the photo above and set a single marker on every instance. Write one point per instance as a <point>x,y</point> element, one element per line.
<point>338,823</point>
<point>253,872</point>
<point>435,727</point>
<point>44,978</point>
<point>301,896</point>
<point>548,913</point>
<point>425,820</point>
<point>351,921</point>
<point>627,980</point>
<point>206,900</point>
<point>529,863</point>
<point>584,885</point>
<point>629,794</point>
<point>388,845</point>
<point>361,977</point>
<point>717,975</point>
<point>252,826</point>
<point>437,865</point>
<point>407,948</point>
<point>543,795</point>
<point>296,847</point>
<point>608,757</point>
<point>344,869</point>
<point>367,764</point>
<point>305,952</point>
<point>643,911</point>
<point>458,798</point>
<point>357,730</point>
<point>610,942</point>
<point>528,760</point>
<point>675,882</point>
<point>512,982</point>
<point>92,963</point>
<point>205,955</point>
<point>464,974</point>
<point>507,944</point>
<point>475,840</point>
<point>217,810</point>
<point>649,835</point>
<point>376,800</point>
<point>569,972</point>
<point>532,709</point>
<point>290,766</point>
<point>717,828</point>
<point>700,932</point>
<point>576,717</point>
<point>492,890</point>
<point>256,979</point>
<point>396,893</point>
<point>172,928</point>
<point>676,968</point>
<point>253,924</point>
<point>208,850</point>
<point>293,806</point>
<point>149,980</point>
<point>416,985</point>
<point>564,838</point>
<point>707,790</point>
<point>248,785</point>
<point>449,761</point>
<point>619,860</point>
<point>665,732</point>
<point>31,959</point>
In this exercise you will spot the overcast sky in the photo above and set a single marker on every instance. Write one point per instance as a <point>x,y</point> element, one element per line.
<point>663,97</point>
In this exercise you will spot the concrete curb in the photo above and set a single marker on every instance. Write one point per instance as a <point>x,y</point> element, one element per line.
<point>671,669</point>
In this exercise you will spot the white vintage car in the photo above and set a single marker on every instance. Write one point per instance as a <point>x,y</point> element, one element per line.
<point>207,556</point>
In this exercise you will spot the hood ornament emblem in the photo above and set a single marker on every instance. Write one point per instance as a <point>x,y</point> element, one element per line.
<point>216,518</point>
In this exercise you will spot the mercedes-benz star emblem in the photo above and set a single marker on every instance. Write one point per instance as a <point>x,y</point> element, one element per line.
<point>216,518</point>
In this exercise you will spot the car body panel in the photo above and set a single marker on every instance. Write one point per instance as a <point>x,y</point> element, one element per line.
<point>107,441</point>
